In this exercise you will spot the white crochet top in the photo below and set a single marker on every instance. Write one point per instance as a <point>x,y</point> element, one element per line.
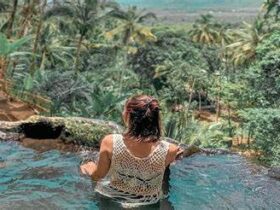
<point>134,180</point>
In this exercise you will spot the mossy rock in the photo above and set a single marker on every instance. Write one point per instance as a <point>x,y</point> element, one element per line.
<point>76,130</point>
<point>86,134</point>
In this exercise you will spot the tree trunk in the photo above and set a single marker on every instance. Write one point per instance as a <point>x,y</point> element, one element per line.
<point>77,59</point>
<point>29,7</point>
<point>38,34</point>
<point>3,68</point>
<point>229,120</point>
<point>190,99</point>
<point>199,103</point>
<point>43,59</point>
<point>12,19</point>
<point>218,105</point>
<point>2,64</point>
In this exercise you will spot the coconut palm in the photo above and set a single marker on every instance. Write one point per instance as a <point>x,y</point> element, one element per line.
<point>270,5</point>
<point>131,31</point>
<point>130,28</point>
<point>206,30</point>
<point>85,15</point>
<point>224,38</point>
<point>246,41</point>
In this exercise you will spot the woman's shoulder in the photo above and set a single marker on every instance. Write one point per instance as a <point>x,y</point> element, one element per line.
<point>172,146</point>
<point>172,152</point>
<point>107,141</point>
<point>111,136</point>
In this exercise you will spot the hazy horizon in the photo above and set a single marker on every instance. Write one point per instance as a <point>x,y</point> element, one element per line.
<point>191,5</point>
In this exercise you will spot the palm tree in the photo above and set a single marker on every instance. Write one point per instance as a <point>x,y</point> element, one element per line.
<point>270,5</point>
<point>131,29</point>
<point>246,42</point>
<point>85,15</point>
<point>206,30</point>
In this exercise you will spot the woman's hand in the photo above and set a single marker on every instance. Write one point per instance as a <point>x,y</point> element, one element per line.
<point>179,154</point>
<point>88,168</point>
<point>100,170</point>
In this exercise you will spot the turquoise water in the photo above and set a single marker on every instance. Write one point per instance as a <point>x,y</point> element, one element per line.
<point>51,180</point>
<point>193,4</point>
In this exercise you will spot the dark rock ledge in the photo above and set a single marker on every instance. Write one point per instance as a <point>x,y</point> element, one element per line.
<point>274,172</point>
<point>78,131</point>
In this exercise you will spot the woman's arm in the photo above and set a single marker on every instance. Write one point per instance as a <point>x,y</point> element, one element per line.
<point>99,170</point>
<point>173,154</point>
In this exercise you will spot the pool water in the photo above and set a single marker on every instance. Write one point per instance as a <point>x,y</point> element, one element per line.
<point>51,180</point>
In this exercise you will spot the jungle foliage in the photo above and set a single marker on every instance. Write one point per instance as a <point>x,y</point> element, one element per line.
<point>88,56</point>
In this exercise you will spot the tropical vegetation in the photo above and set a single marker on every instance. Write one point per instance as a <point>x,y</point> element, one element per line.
<point>216,81</point>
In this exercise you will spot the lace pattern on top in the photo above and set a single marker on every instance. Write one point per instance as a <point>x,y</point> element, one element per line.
<point>134,179</point>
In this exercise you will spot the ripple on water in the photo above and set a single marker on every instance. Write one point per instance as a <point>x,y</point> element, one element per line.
<point>51,180</point>
<point>222,182</point>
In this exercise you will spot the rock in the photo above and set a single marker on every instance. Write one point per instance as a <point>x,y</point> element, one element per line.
<point>6,126</point>
<point>214,151</point>
<point>9,136</point>
<point>75,130</point>
<point>190,150</point>
<point>274,172</point>
<point>78,131</point>
<point>2,135</point>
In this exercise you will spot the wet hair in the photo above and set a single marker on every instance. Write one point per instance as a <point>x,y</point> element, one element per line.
<point>142,115</point>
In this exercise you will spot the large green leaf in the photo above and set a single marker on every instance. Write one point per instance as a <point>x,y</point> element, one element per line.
<point>7,47</point>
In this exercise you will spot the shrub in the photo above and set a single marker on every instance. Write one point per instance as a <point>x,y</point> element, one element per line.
<point>263,126</point>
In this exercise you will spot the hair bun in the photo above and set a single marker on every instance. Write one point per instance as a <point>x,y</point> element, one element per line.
<point>142,112</point>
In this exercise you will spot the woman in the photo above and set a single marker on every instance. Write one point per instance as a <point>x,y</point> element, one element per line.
<point>134,162</point>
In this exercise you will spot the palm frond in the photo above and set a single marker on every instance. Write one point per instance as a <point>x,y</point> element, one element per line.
<point>62,10</point>
<point>149,15</point>
<point>119,14</point>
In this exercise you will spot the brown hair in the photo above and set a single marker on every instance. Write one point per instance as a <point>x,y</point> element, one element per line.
<point>142,116</point>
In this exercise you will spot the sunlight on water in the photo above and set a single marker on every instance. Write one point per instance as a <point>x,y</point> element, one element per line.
<point>51,180</point>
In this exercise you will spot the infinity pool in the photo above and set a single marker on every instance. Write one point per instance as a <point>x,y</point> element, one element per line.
<point>51,180</point>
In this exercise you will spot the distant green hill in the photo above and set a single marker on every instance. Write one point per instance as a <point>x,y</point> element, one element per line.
<point>193,5</point>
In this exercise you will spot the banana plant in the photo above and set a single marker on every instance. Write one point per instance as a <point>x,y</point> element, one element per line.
<point>51,48</point>
<point>7,49</point>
